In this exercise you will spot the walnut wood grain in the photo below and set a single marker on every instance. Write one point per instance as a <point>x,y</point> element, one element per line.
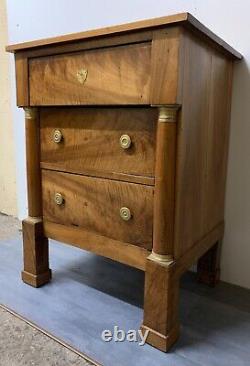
<point>165,66</point>
<point>91,43</point>
<point>91,142</point>
<point>140,179</point>
<point>122,252</point>
<point>94,204</point>
<point>199,248</point>
<point>32,162</point>
<point>185,19</point>
<point>119,75</point>
<point>161,310</point>
<point>202,143</point>
<point>22,79</point>
<point>36,258</point>
<point>36,270</point>
<point>161,291</point>
<point>163,230</point>
<point>173,181</point>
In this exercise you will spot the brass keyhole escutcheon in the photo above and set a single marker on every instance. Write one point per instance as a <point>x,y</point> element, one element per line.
<point>59,200</point>
<point>125,141</point>
<point>82,75</point>
<point>125,213</point>
<point>57,136</point>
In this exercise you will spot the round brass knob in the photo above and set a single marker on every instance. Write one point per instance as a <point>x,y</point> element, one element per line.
<point>125,141</point>
<point>59,200</point>
<point>57,136</point>
<point>125,213</point>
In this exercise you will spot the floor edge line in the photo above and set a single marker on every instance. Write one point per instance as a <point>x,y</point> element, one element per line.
<point>58,340</point>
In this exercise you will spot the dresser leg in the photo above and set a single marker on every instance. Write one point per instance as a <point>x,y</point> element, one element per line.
<point>36,258</point>
<point>208,267</point>
<point>161,305</point>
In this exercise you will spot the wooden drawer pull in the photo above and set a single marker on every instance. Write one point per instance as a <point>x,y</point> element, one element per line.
<point>125,213</point>
<point>57,136</point>
<point>59,199</point>
<point>125,141</point>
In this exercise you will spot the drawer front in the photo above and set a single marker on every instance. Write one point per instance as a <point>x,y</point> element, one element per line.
<point>100,206</point>
<point>118,75</point>
<point>91,141</point>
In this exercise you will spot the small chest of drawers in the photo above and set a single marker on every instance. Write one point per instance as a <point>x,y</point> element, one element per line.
<point>127,133</point>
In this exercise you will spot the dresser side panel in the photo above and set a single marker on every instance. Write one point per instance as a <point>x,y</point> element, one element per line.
<point>202,142</point>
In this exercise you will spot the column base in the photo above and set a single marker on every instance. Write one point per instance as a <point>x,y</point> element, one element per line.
<point>161,304</point>
<point>161,341</point>
<point>36,280</point>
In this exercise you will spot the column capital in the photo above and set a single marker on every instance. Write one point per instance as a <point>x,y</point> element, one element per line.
<point>30,112</point>
<point>168,113</point>
<point>163,259</point>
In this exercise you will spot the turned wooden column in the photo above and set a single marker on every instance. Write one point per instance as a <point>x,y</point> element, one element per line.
<point>36,262</point>
<point>161,293</point>
<point>163,230</point>
<point>33,162</point>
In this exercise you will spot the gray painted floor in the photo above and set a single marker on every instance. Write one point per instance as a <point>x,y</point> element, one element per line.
<point>90,293</point>
<point>9,227</point>
<point>20,343</point>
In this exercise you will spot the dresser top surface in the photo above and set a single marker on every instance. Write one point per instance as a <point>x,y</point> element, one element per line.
<point>184,19</point>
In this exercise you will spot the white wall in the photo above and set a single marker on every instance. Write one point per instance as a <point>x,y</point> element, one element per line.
<point>7,155</point>
<point>229,19</point>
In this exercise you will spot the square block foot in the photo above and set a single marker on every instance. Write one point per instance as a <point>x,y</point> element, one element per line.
<point>36,280</point>
<point>209,278</point>
<point>160,341</point>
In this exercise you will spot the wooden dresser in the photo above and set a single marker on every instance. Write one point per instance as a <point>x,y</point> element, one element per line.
<point>127,132</point>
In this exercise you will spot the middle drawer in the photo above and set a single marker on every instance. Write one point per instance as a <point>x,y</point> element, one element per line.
<point>118,210</point>
<point>92,141</point>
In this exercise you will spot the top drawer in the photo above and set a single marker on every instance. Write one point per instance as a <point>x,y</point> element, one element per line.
<point>115,75</point>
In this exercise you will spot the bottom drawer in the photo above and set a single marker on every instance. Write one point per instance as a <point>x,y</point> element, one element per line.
<point>118,210</point>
